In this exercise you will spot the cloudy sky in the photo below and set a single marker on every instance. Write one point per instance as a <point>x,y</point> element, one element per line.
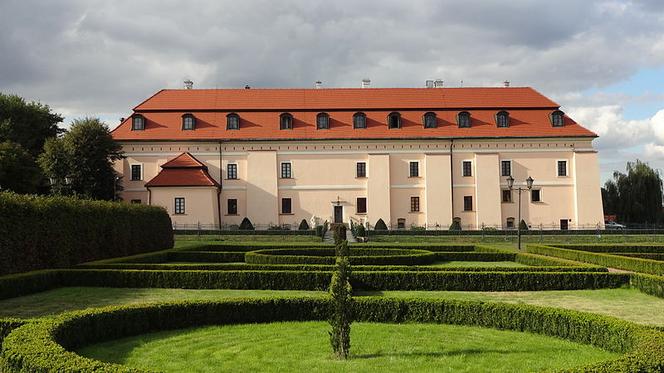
<point>603,61</point>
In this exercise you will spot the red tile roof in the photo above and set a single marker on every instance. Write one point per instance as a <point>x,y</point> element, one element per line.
<point>259,111</point>
<point>183,170</point>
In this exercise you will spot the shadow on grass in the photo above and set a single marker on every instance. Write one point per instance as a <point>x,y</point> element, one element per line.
<point>441,354</point>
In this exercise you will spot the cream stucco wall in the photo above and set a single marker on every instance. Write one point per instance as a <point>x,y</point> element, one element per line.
<point>324,172</point>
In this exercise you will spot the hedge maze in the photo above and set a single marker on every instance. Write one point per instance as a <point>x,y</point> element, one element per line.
<point>46,345</point>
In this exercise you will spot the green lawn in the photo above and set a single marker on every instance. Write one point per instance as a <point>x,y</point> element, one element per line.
<point>304,346</point>
<point>628,304</point>
<point>477,264</point>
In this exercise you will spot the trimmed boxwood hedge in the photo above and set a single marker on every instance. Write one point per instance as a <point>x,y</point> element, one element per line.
<point>206,256</point>
<point>7,325</point>
<point>324,267</point>
<point>46,346</point>
<point>653,256</point>
<point>615,261</point>
<point>327,256</point>
<point>649,284</point>
<point>476,256</point>
<point>55,232</point>
<point>614,248</point>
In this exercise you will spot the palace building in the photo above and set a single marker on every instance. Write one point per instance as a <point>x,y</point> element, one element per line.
<point>410,156</point>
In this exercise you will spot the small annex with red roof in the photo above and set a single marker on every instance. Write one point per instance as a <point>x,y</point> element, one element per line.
<point>183,171</point>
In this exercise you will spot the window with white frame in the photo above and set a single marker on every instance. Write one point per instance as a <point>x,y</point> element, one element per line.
<point>361,205</point>
<point>231,206</point>
<point>231,171</point>
<point>179,205</point>
<point>505,168</point>
<point>361,169</point>
<point>467,168</point>
<point>136,172</point>
<point>507,196</point>
<point>286,170</point>
<point>562,168</point>
<point>286,207</point>
<point>414,169</point>
<point>535,195</point>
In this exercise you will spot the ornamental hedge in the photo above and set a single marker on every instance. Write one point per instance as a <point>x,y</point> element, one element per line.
<point>46,346</point>
<point>649,266</point>
<point>55,232</point>
<point>327,256</point>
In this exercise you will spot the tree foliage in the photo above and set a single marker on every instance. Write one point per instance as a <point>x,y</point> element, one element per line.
<point>18,170</point>
<point>85,154</point>
<point>27,123</point>
<point>635,196</point>
<point>341,293</point>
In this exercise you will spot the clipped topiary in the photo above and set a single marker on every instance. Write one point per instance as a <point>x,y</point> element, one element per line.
<point>360,231</point>
<point>523,226</point>
<point>456,225</point>
<point>380,225</point>
<point>246,225</point>
<point>304,226</point>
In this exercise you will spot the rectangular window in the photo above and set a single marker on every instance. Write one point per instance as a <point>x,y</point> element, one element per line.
<point>136,172</point>
<point>467,168</point>
<point>232,206</point>
<point>414,169</point>
<point>286,206</point>
<point>562,168</point>
<point>136,201</point>
<point>510,223</point>
<point>362,205</point>
<point>231,171</point>
<point>507,196</point>
<point>286,170</point>
<point>179,205</point>
<point>535,195</point>
<point>467,203</point>
<point>414,204</point>
<point>505,168</point>
<point>361,169</point>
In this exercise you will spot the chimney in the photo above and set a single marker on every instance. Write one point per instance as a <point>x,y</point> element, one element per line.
<point>366,83</point>
<point>318,84</point>
<point>247,86</point>
<point>428,83</point>
<point>506,83</point>
<point>438,83</point>
<point>188,84</point>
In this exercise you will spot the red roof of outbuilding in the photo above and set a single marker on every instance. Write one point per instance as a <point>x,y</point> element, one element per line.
<point>183,170</point>
<point>259,111</point>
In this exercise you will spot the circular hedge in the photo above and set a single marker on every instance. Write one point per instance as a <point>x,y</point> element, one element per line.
<point>327,256</point>
<point>46,345</point>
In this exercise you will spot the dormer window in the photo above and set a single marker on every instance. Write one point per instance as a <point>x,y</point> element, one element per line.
<point>502,119</point>
<point>557,118</point>
<point>137,123</point>
<point>188,122</point>
<point>232,121</point>
<point>286,121</point>
<point>429,120</point>
<point>323,121</point>
<point>359,120</point>
<point>463,119</point>
<point>394,120</point>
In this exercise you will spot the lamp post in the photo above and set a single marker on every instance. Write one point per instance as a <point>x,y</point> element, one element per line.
<point>510,184</point>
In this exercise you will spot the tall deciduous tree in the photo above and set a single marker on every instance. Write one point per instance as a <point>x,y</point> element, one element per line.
<point>635,196</point>
<point>27,123</point>
<point>85,154</point>
<point>18,170</point>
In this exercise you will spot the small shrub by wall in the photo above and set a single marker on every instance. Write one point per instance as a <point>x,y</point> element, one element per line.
<point>54,232</point>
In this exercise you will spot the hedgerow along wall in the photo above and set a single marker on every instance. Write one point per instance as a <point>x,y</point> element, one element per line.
<point>56,232</point>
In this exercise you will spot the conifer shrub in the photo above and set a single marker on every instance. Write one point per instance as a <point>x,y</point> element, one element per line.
<point>380,225</point>
<point>246,225</point>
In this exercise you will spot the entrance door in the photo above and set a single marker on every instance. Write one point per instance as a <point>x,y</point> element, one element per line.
<point>564,224</point>
<point>338,214</point>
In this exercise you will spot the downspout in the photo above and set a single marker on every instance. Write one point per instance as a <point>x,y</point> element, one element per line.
<point>452,177</point>
<point>219,188</point>
<point>149,196</point>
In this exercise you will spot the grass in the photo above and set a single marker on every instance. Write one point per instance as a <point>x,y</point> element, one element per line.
<point>304,346</point>
<point>627,304</point>
<point>477,264</point>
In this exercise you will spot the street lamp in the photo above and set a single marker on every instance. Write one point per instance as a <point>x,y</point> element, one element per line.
<point>510,184</point>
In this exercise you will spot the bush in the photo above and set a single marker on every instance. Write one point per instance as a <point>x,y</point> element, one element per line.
<point>56,232</point>
<point>304,226</point>
<point>246,225</point>
<point>341,295</point>
<point>360,231</point>
<point>523,226</point>
<point>653,285</point>
<point>380,225</point>
<point>327,256</point>
<point>339,232</point>
<point>649,266</point>
<point>456,225</point>
<point>46,346</point>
